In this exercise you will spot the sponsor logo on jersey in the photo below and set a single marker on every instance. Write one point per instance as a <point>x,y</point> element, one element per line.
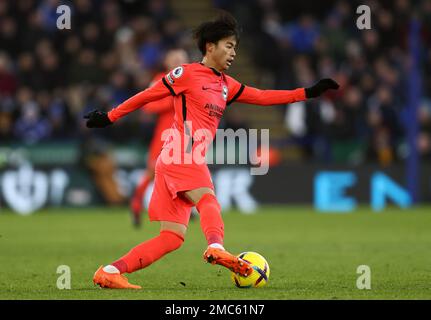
<point>224,93</point>
<point>214,110</point>
<point>168,76</point>
<point>177,72</point>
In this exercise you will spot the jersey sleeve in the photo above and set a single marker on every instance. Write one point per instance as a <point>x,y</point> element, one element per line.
<point>241,93</point>
<point>177,80</point>
<point>235,89</point>
<point>156,92</point>
<point>160,106</point>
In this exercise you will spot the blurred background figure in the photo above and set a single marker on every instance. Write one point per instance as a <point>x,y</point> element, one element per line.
<point>164,110</point>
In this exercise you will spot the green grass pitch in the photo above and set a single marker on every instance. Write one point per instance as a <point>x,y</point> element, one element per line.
<point>311,255</point>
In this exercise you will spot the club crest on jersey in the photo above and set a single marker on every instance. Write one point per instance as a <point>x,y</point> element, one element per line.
<point>224,93</point>
<point>177,72</point>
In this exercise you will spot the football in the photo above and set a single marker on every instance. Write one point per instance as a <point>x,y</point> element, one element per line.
<point>260,275</point>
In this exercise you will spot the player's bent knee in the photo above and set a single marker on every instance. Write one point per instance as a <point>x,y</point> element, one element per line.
<point>208,200</point>
<point>172,239</point>
<point>196,195</point>
<point>175,227</point>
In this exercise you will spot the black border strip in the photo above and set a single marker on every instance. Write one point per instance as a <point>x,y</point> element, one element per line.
<point>237,95</point>
<point>168,86</point>
<point>218,309</point>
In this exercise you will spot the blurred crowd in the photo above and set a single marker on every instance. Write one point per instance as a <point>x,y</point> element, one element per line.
<point>366,120</point>
<point>49,78</point>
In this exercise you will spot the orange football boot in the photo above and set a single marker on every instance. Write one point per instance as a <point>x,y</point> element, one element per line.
<point>112,280</point>
<point>228,260</point>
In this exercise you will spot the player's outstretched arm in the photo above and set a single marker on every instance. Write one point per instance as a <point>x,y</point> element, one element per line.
<point>160,106</point>
<point>102,119</point>
<point>256,96</point>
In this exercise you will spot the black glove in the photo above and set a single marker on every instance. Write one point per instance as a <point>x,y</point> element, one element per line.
<point>320,87</point>
<point>97,119</point>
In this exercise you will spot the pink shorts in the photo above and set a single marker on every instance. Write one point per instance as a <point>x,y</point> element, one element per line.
<point>167,201</point>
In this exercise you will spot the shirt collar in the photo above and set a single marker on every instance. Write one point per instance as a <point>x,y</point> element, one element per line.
<point>213,70</point>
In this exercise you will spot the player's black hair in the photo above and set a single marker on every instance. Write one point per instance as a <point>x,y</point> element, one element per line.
<point>225,25</point>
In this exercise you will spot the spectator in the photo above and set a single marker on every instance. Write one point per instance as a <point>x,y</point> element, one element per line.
<point>8,81</point>
<point>30,126</point>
